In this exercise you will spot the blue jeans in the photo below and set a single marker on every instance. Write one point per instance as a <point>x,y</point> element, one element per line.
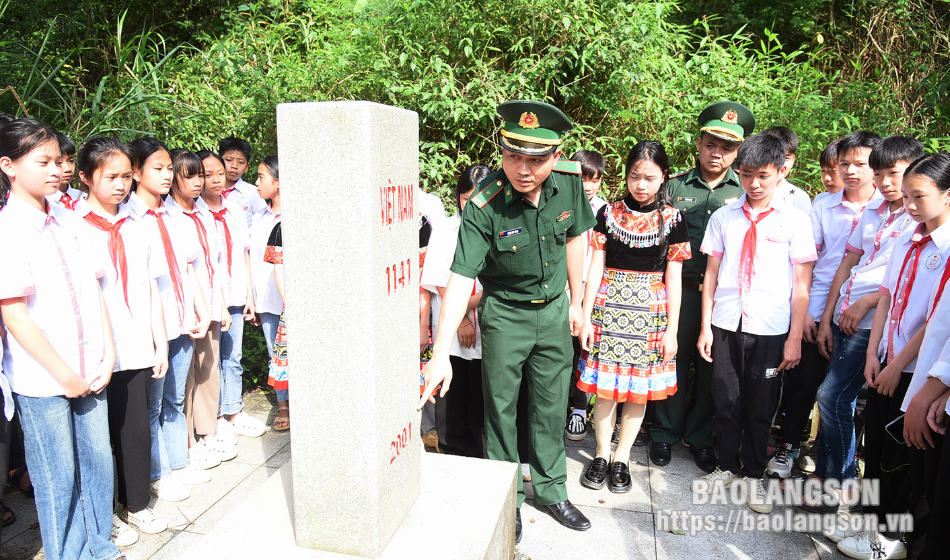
<point>231,370</point>
<point>166,410</point>
<point>70,461</point>
<point>269,323</point>
<point>836,399</point>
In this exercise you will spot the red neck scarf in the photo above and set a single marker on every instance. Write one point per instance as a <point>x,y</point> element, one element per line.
<point>747,259</point>
<point>173,270</point>
<point>203,240</point>
<point>219,217</point>
<point>68,202</point>
<point>915,250</point>
<point>940,287</point>
<point>116,248</point>
<point>227,191</point>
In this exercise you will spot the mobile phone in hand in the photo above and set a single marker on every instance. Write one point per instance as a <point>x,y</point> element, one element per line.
<point>895,429</point>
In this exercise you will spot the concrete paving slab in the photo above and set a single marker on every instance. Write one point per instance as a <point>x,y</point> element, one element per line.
<point>210,518</point>
<point>637,499</point>
<point>224,478</point>
<point>614,533</point>
<point>255,451</point>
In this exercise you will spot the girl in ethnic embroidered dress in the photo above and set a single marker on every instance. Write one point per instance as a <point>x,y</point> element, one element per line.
<point>629,338</point>
<point>278,376</point>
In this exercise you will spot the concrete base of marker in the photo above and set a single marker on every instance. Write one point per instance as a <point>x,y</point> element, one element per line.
<point>466,511</point>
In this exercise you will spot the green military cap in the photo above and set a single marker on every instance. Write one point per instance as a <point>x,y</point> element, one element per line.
<point>532,127</point>
<point>727,120</point>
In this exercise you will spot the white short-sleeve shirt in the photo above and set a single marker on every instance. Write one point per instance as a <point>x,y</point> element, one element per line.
<point>74,195</point>
<point>8,406</point>
<point>266,296</point>
<point>876,233</point>
<point>933,359</point>
<point>933,257</point>
<point>596,204</point>
<point>794,196</point>
<point>833,219</point>
<point>430,206</point>
<point>145,261</point>
<point>209,277</point>
<point>247,197</point>
<point>180,317</point>
<point>50,266</point>
<point>435,274</point>
<point>784,239</point>
<point>234,281</point>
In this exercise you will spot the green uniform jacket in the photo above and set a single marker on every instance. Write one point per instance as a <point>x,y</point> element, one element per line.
<point>515,249</point>
<point>697,201</point>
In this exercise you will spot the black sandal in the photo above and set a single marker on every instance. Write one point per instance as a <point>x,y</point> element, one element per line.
<point>7,521</point>
<point>17,476</point>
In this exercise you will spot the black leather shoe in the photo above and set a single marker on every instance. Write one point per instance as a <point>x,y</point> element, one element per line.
<point>619,480</point>
<point>642,439</point>
<point>705,459</point>
<point>661,453</point>
<point>517,525</point>
<point>566,514</point>
<point>596,474</point>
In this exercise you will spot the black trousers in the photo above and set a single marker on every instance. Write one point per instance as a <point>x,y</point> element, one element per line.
<point>885,459</point>
<point>460,415</point>
<point>580,399</point>
<point>935,547</point>
<point>127,395</point>
<point>5,430</point>
<point>745,388</point>
<point>801,387</point>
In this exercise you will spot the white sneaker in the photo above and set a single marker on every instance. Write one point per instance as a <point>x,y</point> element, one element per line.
<point>839,534</point>
<point>146,520</point>
<point>757,500</point>
<point>708,483</point>
<point>122,534</point>
<point>201,456</point>
<point>191,476</point>
<point>872,546</point>
<point>243,424</point>
<point>224,433</point>
<point>169,490</point>
<point>223,449</point>
<point>781,463</point>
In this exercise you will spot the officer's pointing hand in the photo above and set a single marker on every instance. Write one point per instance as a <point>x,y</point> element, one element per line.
<point>438,370</point>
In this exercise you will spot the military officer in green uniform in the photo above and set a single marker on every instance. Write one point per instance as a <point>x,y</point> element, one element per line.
<point>521,236</point>
<point>698,193</point>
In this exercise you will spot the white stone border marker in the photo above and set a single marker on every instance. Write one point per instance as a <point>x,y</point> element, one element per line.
<point>349,170</point>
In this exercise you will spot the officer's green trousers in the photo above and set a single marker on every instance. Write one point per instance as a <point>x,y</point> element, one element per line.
<point>676,417</point>
<point>530,343</point>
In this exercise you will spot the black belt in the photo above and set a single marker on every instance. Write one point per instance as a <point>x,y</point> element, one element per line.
<point>692,285</point>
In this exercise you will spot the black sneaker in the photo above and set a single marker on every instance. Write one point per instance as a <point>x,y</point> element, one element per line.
<point>643,437</point>
<point>576,429</point>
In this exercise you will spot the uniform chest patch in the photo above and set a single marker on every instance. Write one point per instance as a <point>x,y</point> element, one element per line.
<point>933,261</point>
<point>686,199</point>
<point>509,233</point>
<point>565,215</point>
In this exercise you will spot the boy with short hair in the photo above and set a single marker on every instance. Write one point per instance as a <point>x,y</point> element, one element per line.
<point>68,195</point>
<point>592,174</point>
<point>833,219</point>
<point>790,193</point>
<point>755,297</point>
<point>830,178</point>
<point>236,153</point>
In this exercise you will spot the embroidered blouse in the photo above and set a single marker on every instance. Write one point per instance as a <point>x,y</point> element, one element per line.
<point>275,247</point>
<point>630,234</point>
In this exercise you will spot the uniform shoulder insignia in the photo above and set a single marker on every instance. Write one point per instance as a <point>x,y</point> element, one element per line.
<point>681,173</point>
<point>568,166</point>
<point>489,191</point>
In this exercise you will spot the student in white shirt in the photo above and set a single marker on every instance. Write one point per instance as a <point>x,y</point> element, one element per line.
<point>845,324</point>
<point>67,196</point>
<point>203,388</point>
<point>592,175</point>
<point>267,299</point>
<point>186,319</point>
<point>786,191</point>
<point>755,298</point>
<point>235,272</point>
<point>130,290</point>
<point>236,154</point>
<point>59,352</point>
<point>833,219</point>
<point>830,178</point>
<point>462,415</point>
<point>916,264</point>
